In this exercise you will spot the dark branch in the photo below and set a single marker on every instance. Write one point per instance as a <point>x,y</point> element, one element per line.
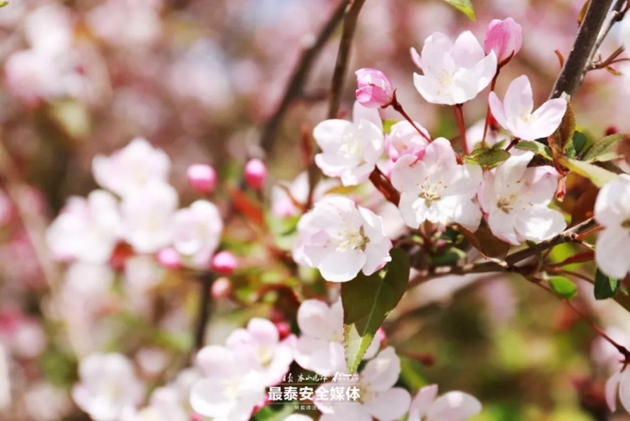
<point>203,316</point>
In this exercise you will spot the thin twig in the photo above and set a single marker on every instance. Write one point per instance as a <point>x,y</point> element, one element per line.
<point>203,316</point>
<point>613,17</point>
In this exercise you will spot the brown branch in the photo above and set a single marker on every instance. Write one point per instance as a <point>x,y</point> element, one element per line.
<point>206,279</point>
<point>296,85</point>
<point>343,55</point>
<point>615,15</point>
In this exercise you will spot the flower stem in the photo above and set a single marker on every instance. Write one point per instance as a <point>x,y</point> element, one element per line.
<point>459,117</point>
<point>487,122</point>
<point>383,185</point>
<point>399,108</point>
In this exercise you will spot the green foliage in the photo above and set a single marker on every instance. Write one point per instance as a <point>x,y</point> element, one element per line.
<point>489,157</point>
<point>564,287</point>
<point>605,286</point>
<point>598,175</point>
<point>273,413</point>
<point>60,368</point>
<point>464,6</point>
<point>536,147</point>
<point>604,150</point>
<point>367,300</point>
<point>387,125</point>
<point>576,145</point>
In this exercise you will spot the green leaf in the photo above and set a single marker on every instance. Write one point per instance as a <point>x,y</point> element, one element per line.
<point>536,147</point>
<point>576,145</point>
<point>597,175</point>
<point>490,158</point>
<point>564,287</point>
<point>3,3</point>
<point>367,300</point>
<point>269,413</point>
<point>605,286</point>
<point>387,125</point>
<point>484,241</point>
<point>604,150</point>
<point>464,6</point>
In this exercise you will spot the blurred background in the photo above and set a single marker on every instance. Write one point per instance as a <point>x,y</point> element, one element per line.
<point>201,79</point>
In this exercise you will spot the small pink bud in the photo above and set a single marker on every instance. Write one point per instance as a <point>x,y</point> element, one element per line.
<point>224,262</point>
<point>202,177</point>
<point>255,173</point>
<point>284,329</point>
<point>505,38</point>
<point>374,89</point>
<point>169,258</point>
<point>221,289</point>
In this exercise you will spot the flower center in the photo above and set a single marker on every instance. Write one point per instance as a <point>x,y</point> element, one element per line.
<point>351,147</point>
<point>445,79</point>
<point>431,192</point>
<point>231,387</point>
<point>265,355</point>
<point>353,240</point>
<point>507,203</point>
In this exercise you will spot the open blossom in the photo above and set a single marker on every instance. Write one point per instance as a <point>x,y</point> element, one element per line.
<point>404,139</point>
<point>453,72</point>
<point>341,239</point>
<point>373,88</point>
<point>350,149</point>
<point>377,396</point>
<point>452,406</point>
<point>515,200</point>
<point>164,405</point>
<point>515,112</point>
<point>87,229</point>
<point>618,383</point>
<point>261,336</point>
<point>504,37</point>
<point>320,345</point>
<point>612,211</point>
<point>436,188</point>
<point>232,385</point>
<point>134,166</point>
<point>148,217</point>
<point>287,199</point>
<point>108,386</point>
<point>197,232</point>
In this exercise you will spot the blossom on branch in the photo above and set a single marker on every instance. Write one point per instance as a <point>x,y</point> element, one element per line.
<point>504,37</point>
<point>404,139</point>
<point>618,383</point>
<point>350,149</point>
<point>452,406</point>
<point>197,232</point>
<point>374,88</point>
<point>341,239</point>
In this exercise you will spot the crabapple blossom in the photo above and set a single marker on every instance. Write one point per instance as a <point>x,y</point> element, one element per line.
<point>135,166</point>
<point>515,112</point>
<point>453,72</point>
<point>618,384</point>
<point>255,174</point>
<point>341,239</point>
<point>163,406</point>
<point>504,37</point>
<point>107,386</point>
<point>169,258</point>
<point>319,348</point>
<point>202,177</point>
<point>224,262</point>
<point>515,200</point>
<point>232,386</point>
<point>221,288</point>
<point>374,88</point>
<point>350,150</point>
<point>452,406</point>
<point>126,23</point>
<point>474,136</point>
<point>287,199</point>
<point>262,337</point>
<point>197,232</point>
<point>378,397</point>
<point>148,216</point>
<point>612,211</point>
<point>404,139</point>
<point>87,229</point>
<point>436,188</point>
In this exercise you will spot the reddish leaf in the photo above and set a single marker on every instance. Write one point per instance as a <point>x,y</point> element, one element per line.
<point>484,241</point>
<point>246,206</point>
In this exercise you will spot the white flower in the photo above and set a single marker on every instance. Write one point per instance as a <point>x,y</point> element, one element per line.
<point>107,387</point>
<point>232,385</point>
<point>350,149</point>
<point>404,139</point>
<point>274,356</point>
<point>377,396</point>
<point>163,406</point>
<point>452,406</point>
<point>515,200</point>
<point>148,216</point>
<point>612,211</point>
<point>134,166</point>
<point>341,239</point>
<point>453,72</point>
<point>320,345</point>
<point>197,232</point>
<point>515,112</point>
<point>620,381</point>
<point>436,188</point>
<point>87,229</point>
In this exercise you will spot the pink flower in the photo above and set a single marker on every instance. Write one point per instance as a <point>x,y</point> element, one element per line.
<point>169,258</point>
<point>504,37</point>
<point>612,211</point>
<point>197,232</point>
<point>255,174</point>
<point>374,89</point>
<point>515,199</point>
<point>515,112</point>
<point>453,72</point>
<point>350,150</point>
<point>452,406</point>
<point>202,178</point>
<point>436,188</point>
<point>341,239</point>
<point>618,383</point>
<point>224,262</point>
<point>404,139</point>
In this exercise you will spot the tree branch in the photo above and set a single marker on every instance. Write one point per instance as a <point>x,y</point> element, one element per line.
<point>298,79</point>
<point>203,314</point>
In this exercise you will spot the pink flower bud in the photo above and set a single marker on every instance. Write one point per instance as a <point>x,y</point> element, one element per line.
<point>374,89</point>
<point>255,173</point>
<point>284,329</point>
<point>224,262</point>
<point>169,258</point>
<point>504,37</point>
<point>221,289</point>
<point>202,178</point>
